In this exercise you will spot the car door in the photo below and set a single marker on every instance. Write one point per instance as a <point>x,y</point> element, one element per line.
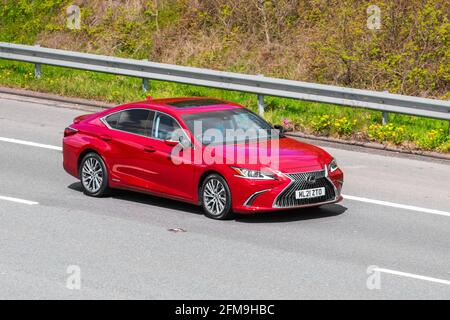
<point>129,147</point>
<point>172,176</point>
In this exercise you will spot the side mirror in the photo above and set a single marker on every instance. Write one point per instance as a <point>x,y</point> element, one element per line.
<point>171,143</point>
<point>182,140</point>
<point>279,128</point>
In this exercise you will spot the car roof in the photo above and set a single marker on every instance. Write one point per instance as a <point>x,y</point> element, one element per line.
<point>185,105</point>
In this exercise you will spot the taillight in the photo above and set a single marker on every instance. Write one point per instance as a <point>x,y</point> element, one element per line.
<point>69,131</point>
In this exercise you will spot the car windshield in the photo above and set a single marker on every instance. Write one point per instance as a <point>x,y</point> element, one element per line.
<point>228,126</point>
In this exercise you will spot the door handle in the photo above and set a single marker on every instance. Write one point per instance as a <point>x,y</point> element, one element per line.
<point>149,149</point>
<point>105,137</point>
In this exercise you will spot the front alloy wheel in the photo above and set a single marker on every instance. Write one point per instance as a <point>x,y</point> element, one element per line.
<point>216,197</point>
<point>93,175</point>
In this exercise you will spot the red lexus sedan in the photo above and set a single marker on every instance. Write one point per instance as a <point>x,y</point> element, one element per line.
<point>204,151</point>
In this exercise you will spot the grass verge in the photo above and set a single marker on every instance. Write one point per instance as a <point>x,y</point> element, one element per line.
<point>313,118</point>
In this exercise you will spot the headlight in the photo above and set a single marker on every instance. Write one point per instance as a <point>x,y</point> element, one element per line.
<point>253,174</point>
<point>332,166</point>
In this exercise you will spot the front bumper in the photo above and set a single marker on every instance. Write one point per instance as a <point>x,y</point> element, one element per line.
<point>251,196</point>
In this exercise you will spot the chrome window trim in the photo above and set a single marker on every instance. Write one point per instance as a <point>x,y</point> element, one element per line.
<point>103,120</point>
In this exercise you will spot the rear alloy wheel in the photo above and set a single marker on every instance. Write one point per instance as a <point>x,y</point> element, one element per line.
<point>93,175</point>
<point>216,198</point>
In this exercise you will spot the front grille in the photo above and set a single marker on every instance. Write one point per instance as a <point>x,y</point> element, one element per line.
<point>287,198</point>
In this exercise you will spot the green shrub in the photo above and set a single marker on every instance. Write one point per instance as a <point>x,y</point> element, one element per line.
<point>22,20</point>
<point>389,133</point>
<point>445,147</point>
<point>344,126</point>
<point>433,139</point>
<point>322,124</point>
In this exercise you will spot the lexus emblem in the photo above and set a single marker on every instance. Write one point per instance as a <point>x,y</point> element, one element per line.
<point>311,179</point>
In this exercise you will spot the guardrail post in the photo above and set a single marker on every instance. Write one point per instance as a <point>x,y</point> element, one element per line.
<point>448,124</point>
<point>145,85</point>
<point>261,105</point>
<point>385,115</point>
<point>261,101</point>
<point>385,118</point>
<point>37,68</point>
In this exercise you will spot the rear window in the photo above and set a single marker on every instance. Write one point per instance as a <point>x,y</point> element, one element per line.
<point>113,120</point>
<point>137,121</point>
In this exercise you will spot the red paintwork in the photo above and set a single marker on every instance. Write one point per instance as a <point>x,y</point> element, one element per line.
<point>130,167</point>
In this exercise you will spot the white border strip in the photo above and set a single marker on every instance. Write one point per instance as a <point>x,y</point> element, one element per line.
<point>412,275</point>
<point>32,144</point>
<point>30,203</point>
<point>397,205</point>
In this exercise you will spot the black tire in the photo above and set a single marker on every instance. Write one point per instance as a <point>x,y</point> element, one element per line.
<point>100,189</point>
<point>222,202</point>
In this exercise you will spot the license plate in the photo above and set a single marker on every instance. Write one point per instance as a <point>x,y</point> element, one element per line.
<point>310,193</point>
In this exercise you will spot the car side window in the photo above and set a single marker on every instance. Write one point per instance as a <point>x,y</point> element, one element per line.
<point>138,121</point>
<point>113,120</point>
<point>166,127</point>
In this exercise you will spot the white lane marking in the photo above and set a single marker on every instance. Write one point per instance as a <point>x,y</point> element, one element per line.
<point>398,205</point>
<point>32,144</point>
<point>412,275</point>
<point>30,203</point>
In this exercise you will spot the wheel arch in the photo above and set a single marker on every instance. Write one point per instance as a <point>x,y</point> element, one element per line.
<point>202,178</point>
<point>85,152</point>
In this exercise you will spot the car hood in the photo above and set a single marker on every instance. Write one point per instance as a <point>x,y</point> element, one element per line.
<point>284,154</point>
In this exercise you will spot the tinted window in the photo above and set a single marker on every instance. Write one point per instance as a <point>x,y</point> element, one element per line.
<point>113,120</point>
<point>165,127</point>
<point>244,123</point>
<point>138,121</point>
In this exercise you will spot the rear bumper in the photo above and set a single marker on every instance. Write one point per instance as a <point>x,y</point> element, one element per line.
<point>260,196</point>
<point>70,157</point>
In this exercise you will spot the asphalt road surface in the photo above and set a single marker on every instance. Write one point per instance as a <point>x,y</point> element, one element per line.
<point>396,217</point>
